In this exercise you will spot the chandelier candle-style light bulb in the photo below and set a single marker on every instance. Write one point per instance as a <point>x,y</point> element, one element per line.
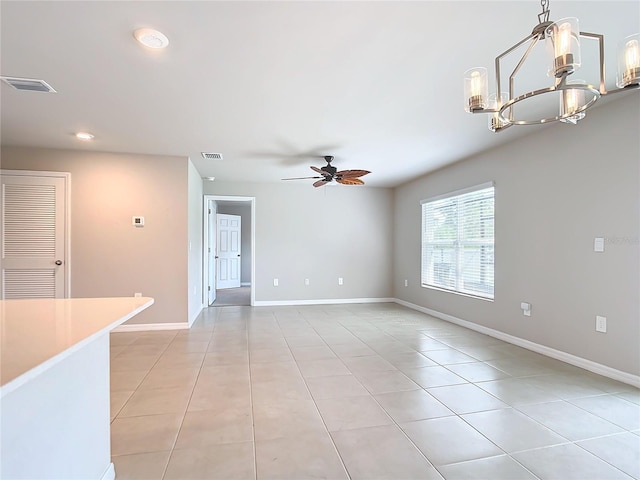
<point>629,62</point>
<point>571,100</point>
<point>476,89</point>
<point>563,40</point>
<point>495,123</point>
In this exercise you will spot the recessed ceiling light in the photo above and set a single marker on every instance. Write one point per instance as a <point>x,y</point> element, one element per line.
<point>86,136</point>
<point>210,179</point>
<point>151,38</point>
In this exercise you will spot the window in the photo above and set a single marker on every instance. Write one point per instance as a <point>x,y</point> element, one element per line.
<point>457,241</point>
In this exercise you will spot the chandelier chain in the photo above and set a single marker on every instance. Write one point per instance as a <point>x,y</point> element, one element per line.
<point>544,16</point>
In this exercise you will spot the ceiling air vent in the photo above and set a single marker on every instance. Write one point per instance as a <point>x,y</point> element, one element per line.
<point>30,84</point>
<point>212,156</point>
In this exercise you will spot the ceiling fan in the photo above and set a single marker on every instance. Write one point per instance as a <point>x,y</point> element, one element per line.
<point>329,173</point>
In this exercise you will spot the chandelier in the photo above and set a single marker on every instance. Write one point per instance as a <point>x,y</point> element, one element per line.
<point>562,42</point>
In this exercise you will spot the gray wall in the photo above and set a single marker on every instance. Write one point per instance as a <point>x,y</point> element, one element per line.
<point>556,190</point>
<point>109,256</point>
<point>244,211</point>
<point>195,207</point>
<point>320,234</point>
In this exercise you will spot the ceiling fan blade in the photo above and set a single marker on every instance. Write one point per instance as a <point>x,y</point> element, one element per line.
<point>352,173</point>
<point>299,178</point>
<point>349,181</point>
<point>320,171</point>
<point>319,183</point>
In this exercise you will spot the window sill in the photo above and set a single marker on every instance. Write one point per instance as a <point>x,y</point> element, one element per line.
<point>468,295</point>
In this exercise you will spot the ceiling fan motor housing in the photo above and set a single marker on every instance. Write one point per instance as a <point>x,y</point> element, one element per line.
<point>330,169</point>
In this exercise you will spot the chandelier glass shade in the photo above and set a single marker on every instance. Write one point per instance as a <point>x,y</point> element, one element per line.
<point>562,44</point>
<point>629,61</point>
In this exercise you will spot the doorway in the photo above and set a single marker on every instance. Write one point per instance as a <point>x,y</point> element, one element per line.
<point>244,294</point>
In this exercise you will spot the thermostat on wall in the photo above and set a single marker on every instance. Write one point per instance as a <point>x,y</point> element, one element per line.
<point>138,221</point>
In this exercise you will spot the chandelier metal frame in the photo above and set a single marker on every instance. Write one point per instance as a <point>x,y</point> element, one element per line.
<point>503,111</point>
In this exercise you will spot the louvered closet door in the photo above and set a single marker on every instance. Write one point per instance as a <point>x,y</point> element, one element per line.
<point>33,236</point>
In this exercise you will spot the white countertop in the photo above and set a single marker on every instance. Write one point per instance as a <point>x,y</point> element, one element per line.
<point>35,334</point>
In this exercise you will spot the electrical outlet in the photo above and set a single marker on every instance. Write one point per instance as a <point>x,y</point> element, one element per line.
<point>406,282</point>
<point>137,294</point>
<point>275,282</point>
<point>340,281</point>
<point>306,282</point>
<point>601,324</point>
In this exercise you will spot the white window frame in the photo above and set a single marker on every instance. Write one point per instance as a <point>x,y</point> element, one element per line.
<point>427,278</point>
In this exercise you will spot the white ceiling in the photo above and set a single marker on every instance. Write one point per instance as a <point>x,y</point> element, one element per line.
<point>272,85</point>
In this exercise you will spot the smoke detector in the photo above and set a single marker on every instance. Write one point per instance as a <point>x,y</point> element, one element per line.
<point>30,84</point>
<point>211,156</point>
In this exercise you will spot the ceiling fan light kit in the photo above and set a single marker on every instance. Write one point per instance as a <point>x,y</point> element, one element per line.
<point>329,173</point>
<point>562,40</point>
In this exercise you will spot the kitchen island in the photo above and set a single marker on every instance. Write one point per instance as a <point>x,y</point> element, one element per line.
<point>54,386</point>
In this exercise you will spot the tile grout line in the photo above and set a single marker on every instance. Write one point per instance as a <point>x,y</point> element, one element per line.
<point>304,380</point>
<point>396,423</point>
<point>138,386</point>
<point>253,424</point>
<point>175,441</point>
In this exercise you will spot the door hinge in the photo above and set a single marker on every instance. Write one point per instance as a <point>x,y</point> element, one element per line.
<point>209,249</point>
<point>209,211</point>
<point>209,288</point>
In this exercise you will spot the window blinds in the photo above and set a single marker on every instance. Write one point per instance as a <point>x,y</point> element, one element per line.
<point>458,242</point>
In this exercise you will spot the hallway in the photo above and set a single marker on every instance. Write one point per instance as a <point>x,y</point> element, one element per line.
<point>233,297</point>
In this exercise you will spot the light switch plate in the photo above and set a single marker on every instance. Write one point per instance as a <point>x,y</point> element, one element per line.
<point>598,244</point>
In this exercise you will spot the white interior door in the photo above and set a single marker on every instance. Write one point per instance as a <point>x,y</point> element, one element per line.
<point>33,232</point>
<point>228,248</point>
<point>211,251</point>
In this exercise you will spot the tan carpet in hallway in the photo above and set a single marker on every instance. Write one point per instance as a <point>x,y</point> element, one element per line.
<point>233,296</point>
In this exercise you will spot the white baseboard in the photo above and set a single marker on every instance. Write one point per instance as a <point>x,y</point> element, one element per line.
<point>143,327</point>
<point>110,473</point>
<point>276,303</point>
<point>594,367</point>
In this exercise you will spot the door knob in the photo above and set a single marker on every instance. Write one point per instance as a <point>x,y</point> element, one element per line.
<point>58,262</point>
<point>216,256</point>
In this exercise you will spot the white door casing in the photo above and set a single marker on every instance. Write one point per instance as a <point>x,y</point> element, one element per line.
<point>212,210</point>
<point>209,232</point>
<point>34,224</point>
<point>228,250</point>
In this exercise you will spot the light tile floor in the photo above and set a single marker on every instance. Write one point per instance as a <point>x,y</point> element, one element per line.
<point>367,391</point>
